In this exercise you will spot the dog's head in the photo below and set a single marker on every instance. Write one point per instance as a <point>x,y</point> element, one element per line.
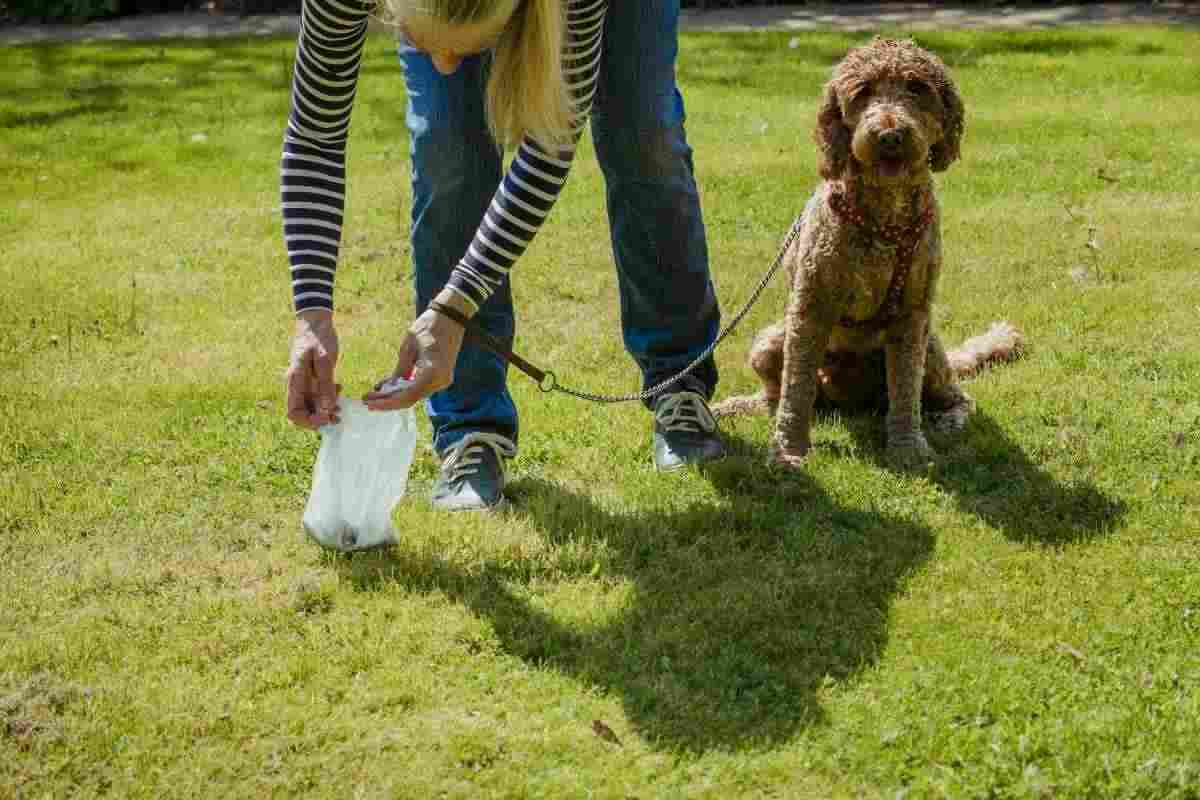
<point>890,113</point>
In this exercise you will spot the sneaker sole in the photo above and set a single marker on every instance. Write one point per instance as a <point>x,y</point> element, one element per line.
<point>499,505</point>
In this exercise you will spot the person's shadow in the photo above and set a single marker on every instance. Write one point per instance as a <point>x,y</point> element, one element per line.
<point>735,615</point>
<point>738,612</point>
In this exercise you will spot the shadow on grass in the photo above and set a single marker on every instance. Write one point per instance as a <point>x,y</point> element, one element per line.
<point>738,614</point>
<point>991,477</point>
<point>166,75</point>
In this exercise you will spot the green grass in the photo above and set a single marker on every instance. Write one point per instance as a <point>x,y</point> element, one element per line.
<point>1024,622</point>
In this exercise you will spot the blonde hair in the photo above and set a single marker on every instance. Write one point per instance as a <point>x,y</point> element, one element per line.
<point>526,91</point>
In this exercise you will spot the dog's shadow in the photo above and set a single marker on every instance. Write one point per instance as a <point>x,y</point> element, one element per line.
<point>991,477</point>
<point>732,615</point>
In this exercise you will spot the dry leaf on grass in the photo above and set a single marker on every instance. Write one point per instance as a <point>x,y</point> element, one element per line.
<point>605,732</point>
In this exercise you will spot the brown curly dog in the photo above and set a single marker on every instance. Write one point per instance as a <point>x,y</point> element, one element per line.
<point>865,261</point>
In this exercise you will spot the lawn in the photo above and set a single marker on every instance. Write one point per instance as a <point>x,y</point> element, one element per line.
<point>1022,622</point>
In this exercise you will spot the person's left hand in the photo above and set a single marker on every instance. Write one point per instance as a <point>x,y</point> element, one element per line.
<point>426,360</point>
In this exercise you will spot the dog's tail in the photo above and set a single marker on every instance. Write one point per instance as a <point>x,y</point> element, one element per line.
<point>1000,343</point>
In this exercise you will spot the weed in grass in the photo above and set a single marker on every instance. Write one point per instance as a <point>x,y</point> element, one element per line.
<point>1093,248</point>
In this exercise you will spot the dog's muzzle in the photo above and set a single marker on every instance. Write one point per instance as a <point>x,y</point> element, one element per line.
<point>893,143</point>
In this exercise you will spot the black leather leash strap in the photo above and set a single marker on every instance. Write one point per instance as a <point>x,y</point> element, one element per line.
<point>545,379</point>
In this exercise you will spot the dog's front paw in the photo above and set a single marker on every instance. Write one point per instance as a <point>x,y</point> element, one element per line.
<point>910,452</point>
<point>788,456</point>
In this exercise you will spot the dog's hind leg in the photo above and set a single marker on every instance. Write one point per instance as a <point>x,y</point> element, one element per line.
<point>766,359</point>
<point>946,406</point>
<point>745,405</point>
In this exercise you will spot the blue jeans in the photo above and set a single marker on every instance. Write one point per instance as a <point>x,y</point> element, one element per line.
<point>669,310</point>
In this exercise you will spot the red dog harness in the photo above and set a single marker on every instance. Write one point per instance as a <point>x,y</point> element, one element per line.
<point>906,238</point>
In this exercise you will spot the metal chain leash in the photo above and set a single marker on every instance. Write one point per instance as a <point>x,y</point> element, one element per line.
<point>550,383</point>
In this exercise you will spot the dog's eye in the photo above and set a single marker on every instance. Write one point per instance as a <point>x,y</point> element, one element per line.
<point>918,88</point>
<point>863,93</point>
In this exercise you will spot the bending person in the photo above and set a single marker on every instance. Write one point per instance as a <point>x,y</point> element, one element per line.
<point>481,75</point>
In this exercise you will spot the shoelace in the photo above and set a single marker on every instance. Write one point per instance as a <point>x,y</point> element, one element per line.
<point>464,456</point>
<point>685,411</point>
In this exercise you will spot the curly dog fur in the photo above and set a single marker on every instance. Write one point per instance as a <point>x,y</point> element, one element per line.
<point>865,262</point>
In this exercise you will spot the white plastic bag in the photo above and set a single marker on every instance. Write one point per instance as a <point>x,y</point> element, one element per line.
<point>360,475</point>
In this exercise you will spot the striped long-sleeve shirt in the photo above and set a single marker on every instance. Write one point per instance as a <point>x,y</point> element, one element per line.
<point>313,169</point>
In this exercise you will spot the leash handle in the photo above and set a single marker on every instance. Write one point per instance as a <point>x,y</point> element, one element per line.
<point>546,380</point>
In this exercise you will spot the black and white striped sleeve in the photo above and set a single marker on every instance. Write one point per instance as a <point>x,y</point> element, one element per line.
<point>535,177</point>
<point>313,167</point>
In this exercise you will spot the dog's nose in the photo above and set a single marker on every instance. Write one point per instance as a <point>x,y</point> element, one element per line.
<point>893,139</point>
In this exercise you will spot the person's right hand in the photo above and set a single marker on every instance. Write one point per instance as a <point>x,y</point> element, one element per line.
<point>311,391</point>
<point>426,359</point>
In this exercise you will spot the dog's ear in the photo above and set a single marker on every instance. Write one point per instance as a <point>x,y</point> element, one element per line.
<point>946,152</point>
<point>831,135</point>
